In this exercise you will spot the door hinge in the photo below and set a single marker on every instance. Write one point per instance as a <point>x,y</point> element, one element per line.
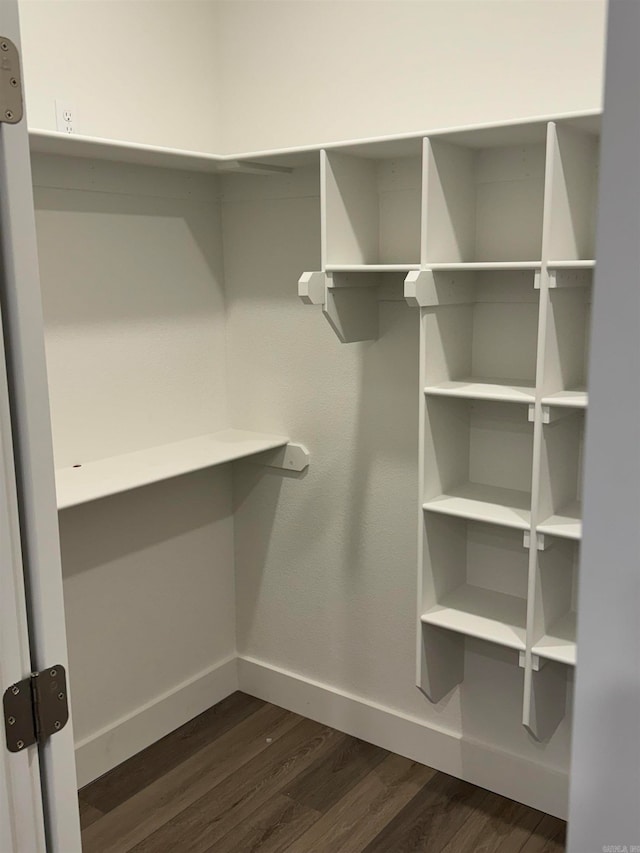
<point>35,708</point>
<point>10,82</point>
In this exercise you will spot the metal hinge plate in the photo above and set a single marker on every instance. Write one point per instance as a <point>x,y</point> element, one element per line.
<point>35,708</point>
<point>10,83</point>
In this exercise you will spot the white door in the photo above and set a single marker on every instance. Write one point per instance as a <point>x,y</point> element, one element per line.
<point>21,813</point>
<point>604,808</point>
<point>24,411</point>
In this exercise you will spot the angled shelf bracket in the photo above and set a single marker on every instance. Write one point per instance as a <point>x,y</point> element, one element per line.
<point>349,302</point>
<point>291,457</point>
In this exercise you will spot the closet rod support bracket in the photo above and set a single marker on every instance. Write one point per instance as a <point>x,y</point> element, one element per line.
<point>312,288</point>
<point>291,457</point>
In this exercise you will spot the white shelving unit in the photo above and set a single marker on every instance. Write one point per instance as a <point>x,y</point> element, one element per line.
<point>488,231</point>
<point>503,229</point>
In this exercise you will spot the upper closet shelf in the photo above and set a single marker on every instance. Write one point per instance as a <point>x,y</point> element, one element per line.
<point>279,159</point>
<point>97,479</point>
<point>75,145</point>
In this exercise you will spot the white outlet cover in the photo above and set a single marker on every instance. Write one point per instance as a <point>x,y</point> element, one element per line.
<point>66,117</point>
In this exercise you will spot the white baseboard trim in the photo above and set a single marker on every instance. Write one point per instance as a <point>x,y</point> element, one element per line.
<point>112,745</point>
<point>510,775</point>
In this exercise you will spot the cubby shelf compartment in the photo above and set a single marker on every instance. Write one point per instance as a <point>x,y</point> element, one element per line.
<point>477,460</point>
<point>480,331</point>
<point>481,613</point>
<point>371,209</point>
<point>559,644</point>
<point>103,477</point>
<point>560,510</point>
<point>566,523</point>
<point>573,189</point>
<point>491,504</point>
<point>484,203</point>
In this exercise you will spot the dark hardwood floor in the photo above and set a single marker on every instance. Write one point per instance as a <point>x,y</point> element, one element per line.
<point>247,776</point>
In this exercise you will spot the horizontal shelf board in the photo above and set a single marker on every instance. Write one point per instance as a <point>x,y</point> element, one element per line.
<point>516,132</point>
<point>116,474</point>
<point>504,390</point>
<point>494,505</point>
<point>482,265</point>
<point>567,523</point>
<point>560,643</point>
<point>571,265</point>
<point>76,145</point>
<point>96,148</point>
<point>371,267</point>
<point>571,399</point>
<point>481,613</point>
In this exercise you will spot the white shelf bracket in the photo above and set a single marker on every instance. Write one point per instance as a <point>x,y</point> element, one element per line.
<point>291,457</point>
<point>551,414</point>
<point>537,663</point>
<point>423,288</point>
<point>543,543</point>
<point>570,278</point>
<point>312,288</point>
<point>536,280</point>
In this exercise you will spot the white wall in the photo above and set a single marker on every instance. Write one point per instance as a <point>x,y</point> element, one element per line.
<point>306,72</point>
<point>234,75</point>
<point>141,70</point>
<point>134,306</point>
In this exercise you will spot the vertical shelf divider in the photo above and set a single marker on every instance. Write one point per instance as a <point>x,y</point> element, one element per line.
<point>545,682</point>
<point>439,652</point>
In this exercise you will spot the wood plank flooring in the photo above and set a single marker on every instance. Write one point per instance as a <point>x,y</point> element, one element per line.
<point>249,776</point>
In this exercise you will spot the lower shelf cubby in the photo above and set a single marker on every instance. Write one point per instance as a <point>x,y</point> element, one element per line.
<point>478,459</point>
<point>560,509</point>
<point>555,602</point>
<point>474,584</point>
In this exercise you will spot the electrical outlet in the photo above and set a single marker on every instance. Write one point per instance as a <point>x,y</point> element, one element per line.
<point>66,118</point>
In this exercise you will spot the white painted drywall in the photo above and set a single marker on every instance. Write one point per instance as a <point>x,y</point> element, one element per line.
<point>306,72</point>
<point>140,70</point>
<point>240,75</point>
<point>134,307</point>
